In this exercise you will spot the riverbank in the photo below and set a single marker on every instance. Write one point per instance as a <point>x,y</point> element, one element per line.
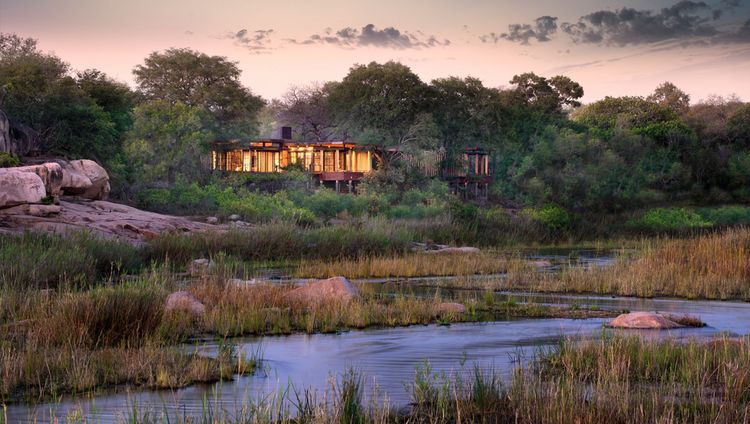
<point>77,299</point>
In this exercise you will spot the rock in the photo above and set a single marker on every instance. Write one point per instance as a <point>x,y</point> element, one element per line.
<point>104,219</point>
<point>234,217</point>
<point>44,210</point>
<point>51,174</point>
<point>540,263</point>
<point>446,308</point>
<point>19,187</point>
<point>241,282</point>
<point>332,289</point>
<point>643,320</point>
<point>462,249</point>
<point>183,301</point>
<point>199,266</point>
<point>85,178</point>
<point>212,220</point>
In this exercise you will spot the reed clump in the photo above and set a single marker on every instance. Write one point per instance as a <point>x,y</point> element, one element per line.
<point>259,309</point>
<point>407,265</point>
<point>711,266</point>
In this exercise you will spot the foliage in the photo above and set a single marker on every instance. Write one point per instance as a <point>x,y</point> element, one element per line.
<point>8,161</point>
<point>208,83</point>
<point>551,216</point>
<point>670,219</point>
<point>385,98</point>
<point>167,140</point>
<point>83,116</point>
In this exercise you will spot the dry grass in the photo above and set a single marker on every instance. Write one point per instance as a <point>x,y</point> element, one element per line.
<point>409,265</point>
<point>267,309</point>
<point>713,266</point>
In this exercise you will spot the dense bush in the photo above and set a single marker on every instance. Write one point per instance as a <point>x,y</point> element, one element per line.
<point>669,219</point>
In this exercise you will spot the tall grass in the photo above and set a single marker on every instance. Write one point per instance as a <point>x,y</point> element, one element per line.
<point>35,260</point>
<point>711,266</point>
<point>408,265</point>
<point>612,380</point>
<point>280,241</point>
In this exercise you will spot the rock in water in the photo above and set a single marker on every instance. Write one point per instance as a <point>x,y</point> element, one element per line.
<point>332,289</point>
<point>184,302</point>
<point>199,266</point>
<point>643,320</point>
<point>19,187</point>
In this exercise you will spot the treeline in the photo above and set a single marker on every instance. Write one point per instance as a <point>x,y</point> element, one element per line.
<point>614,155</point>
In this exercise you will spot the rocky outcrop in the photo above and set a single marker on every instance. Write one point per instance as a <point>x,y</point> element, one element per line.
<point>51,174</point>
<point>85,178</point>
<point>106,219</point>
<point>183,301</point>
<point>643,321</point>
<point>316,292</point>
<point>19,187</point>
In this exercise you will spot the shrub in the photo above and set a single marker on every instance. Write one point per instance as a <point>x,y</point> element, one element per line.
<point>669,219</point>
<point>8,161</point>
<point>726,215</point>
<point>551,216</point>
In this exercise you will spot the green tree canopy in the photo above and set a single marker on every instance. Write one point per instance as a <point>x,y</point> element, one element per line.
<point>168,139</point>
<point>207,82</point>
<point>63,111</point>
<point>380,98</point>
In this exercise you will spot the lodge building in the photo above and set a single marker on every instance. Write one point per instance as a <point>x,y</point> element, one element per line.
<point>339,164</point>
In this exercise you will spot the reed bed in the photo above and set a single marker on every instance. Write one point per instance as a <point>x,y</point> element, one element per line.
<point>262,309</point>
<point>611,380</point>
<point>410,265</point>
<point>711,266</point>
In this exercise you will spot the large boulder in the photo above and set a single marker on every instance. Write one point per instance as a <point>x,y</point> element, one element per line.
<point>332,289</point>
<point>19,187</point>
<point>51,174</point>
<point>85,178</point>
<point>643,321</point>
<point>183,301</point>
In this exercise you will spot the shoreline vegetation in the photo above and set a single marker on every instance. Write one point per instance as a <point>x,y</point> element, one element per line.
<point>90,309</point>
<point>615,379</point>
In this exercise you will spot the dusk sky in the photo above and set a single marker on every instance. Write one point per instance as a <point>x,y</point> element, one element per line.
<point>609,47</point>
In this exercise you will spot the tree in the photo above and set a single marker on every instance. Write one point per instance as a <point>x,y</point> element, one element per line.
<point>43,98</point>
<point>210,83</point>
<point>381,98</point>
<point>112,96</point>
<point>671,97</point>
<point>739,125</point>
<point>307,110</point>
<point>462,109</point>
<point>167,140</point>
<point>552,95</point>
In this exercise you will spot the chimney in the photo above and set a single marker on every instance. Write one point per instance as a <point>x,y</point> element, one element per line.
<point>286,133</point>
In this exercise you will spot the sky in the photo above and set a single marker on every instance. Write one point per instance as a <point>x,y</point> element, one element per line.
<point>614,48</point>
